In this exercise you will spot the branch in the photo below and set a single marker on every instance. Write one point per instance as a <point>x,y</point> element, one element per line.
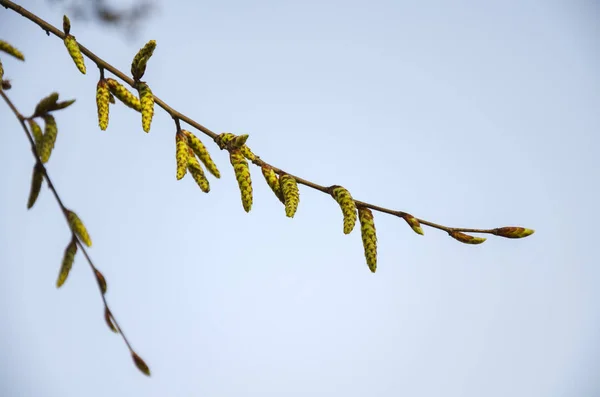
<point>455,232</point>
<point>109,316</point>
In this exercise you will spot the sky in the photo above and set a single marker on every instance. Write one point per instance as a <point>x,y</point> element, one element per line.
<point>470,114</point>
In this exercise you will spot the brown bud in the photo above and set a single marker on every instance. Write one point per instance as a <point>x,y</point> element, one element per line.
<point>513,232</point>
<point>465,238</point>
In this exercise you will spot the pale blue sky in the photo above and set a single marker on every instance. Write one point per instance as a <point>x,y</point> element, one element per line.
<point>467,113</point>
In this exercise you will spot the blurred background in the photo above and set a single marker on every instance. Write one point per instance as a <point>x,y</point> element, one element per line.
<point>475,114</point>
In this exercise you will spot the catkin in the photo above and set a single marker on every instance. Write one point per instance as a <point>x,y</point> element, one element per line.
<point>369,236</point>
<point>248,153</point>
<point>1,71</point>
<point>102,101</point>
<point>123,94</point>
<point>36,185</point>
<point>147,104</point>
<point>291,194</point>
<point>49,138</point>
<point>200,150</point>
<point>272,180</point>
<point>181,154</point>
<point>242,174</point>
<point>9,49</point>
<point>75,52</point>
<point>78,228</point>
<point>67,263</point>
<point>197,172</point>
<point>138,66</point>
<point>223,139</point>
<point>344,199</point>
<point>37,133</point>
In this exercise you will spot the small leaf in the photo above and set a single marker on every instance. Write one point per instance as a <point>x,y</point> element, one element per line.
<point>465,238</point>
<point>36,184</point>
<point>67,263</point>
<point>46,104</point>
<point>101,281</point>
<point>239,141</point>
<point>63,104</point>
<point>138,66</point>
<point>142,366</point>
<point>66,25</point>
<point>513,232</point>
<point>109,321</point>
<point>78,228</point>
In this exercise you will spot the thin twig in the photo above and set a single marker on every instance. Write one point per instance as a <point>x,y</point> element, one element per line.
<point>63,208</point>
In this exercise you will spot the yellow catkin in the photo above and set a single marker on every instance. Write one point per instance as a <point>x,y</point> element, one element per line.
<point>36,131</point>
<point>197,172</point>
<point>46,104</point>
<point>67,263</point>
<point>513,232</point>
<point>242,174</point>
<point>291,194</point>
<point>272,180</point>
<point>248,153</point>
<point>36,185</point>
<point>49,138</point>
<point>9,49</point>
<point>78,228</point>
<point>344,199</point>
<point>465,238</point>
<point>1,71</point>
<point>181,154</point>
<point>111,98</point>
<point>75,52</point>
<point>140,364</point>
<point>413,223</point>
<point>223,139</point>
<point>200,150</point>
<point>138,65</point>
<point>369,236</point>
<point>147,104</point>
<point>123,94</point>
<point>102,101</point>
